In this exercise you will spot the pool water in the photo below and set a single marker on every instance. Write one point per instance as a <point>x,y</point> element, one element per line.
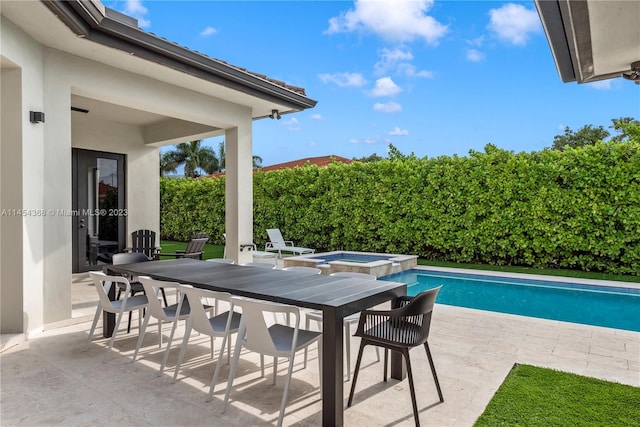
<point>606,306</point>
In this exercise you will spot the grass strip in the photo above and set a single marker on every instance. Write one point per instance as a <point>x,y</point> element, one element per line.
<point>532,396</point>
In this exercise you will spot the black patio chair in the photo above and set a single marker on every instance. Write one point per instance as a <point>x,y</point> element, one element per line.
<point>144,241</point>
<point>194,249</point>
<point>400,330</point>
<point>136,287</point>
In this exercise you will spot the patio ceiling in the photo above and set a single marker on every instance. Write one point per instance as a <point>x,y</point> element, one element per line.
<point>592,40</point>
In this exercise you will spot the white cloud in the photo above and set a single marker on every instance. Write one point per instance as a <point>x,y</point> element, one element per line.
<point>411,71</point>
<point>385,87</point>
<point>477,42</point>
<point>600,85</point>
<point>292,123</point>
<point>316,116</point>
<point>400,20</point>
<point>208,31</point>
<point>135,9</point>
<point>344,79</point>
<point>514,23</point>
<point>398,60</point>
<point>389,59</point>
<point>474,55</point>
<point>353,141</point>
<point>398,132</point>
<point>387,107</point>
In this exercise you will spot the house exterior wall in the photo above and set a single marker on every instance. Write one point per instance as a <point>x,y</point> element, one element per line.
<point>21,185</point>
<point>36,159</point>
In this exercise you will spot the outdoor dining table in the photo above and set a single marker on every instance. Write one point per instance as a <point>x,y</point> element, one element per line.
<point>336,297</point>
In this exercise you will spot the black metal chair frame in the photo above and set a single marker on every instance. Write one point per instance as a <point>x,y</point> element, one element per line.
<point>400,330</point>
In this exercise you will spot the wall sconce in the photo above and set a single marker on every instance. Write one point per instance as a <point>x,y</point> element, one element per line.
<point>275,115</point>
<point>36,116</point>
<point>634,74</point>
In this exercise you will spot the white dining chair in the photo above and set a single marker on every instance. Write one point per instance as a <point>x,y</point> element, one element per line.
<point>216,325</point>
<point>347,321</point>
<point>276,340</point>
<point>103,284</point>
<point>171,314</point>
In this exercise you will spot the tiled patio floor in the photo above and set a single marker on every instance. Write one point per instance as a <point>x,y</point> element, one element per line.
<point>49,380</point>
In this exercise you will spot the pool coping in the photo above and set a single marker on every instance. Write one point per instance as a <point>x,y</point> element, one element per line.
<point>542,277</point>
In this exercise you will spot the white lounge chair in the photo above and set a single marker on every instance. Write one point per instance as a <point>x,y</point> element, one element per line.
<point>277,243</point>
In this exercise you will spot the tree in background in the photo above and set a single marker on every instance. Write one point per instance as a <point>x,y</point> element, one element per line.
<point>369,159</point>
<point>628,128</point>
<point>586,135</point>
<point>193,156</point>
<point>222,156</point>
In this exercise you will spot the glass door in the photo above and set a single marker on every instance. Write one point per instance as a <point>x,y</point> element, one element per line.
<point>99,209</point>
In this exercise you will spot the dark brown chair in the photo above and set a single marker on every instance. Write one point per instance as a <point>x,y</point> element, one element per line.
<point>400,330</point>
<point>194,249</point>
<point>144,241</point>
<point>136,287</point>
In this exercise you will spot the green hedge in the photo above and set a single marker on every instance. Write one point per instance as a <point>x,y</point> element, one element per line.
<point>577,209</point>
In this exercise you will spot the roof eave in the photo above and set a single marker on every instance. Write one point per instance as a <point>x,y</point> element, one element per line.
<point>86,20</point>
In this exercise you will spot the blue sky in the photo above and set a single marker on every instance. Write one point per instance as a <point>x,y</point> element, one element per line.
<point>431,77</point>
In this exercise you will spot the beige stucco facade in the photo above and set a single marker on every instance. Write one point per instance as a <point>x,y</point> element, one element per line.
<point>136,107</point>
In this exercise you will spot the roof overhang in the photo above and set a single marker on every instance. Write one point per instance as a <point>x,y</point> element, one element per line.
<point>88,29</point>
<point>592,40</point>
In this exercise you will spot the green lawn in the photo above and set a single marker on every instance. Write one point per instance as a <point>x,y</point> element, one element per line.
<point>210,251</point>
<point>532,396</point>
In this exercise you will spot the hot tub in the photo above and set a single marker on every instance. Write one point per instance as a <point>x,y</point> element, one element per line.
<point>361,262</point>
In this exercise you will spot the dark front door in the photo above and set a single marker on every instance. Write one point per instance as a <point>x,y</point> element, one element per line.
<point>99,208</point>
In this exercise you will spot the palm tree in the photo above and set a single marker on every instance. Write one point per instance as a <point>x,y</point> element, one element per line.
<point>257,160</point>
<point>193,156</point>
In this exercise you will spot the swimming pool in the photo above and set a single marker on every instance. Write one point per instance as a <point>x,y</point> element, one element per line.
<point>612,307</point>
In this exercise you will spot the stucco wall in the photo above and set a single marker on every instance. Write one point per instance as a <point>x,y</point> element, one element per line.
<point>36,159</point>
<point>21,185</point>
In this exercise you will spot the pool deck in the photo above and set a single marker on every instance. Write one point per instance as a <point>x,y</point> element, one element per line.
<point>49,380</point>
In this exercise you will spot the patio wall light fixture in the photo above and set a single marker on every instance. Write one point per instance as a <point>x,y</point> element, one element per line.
<point>275,115</point>
<point>36,116</point>
<point>634,74</point>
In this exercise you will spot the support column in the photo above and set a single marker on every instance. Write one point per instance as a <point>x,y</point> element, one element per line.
<point>239,190</point>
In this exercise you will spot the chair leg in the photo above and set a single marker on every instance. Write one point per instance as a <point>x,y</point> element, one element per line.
<point>433,371</point>
<point>405,353</point>
<point>234,366</point>
<point>93,326</point>
<point>286,389</point>
<point>275,369</point>
<point>168,349</point>
<point>143,329</point>
<point>113,337</point>
<point>183,349</point>
<point>386,360</point>
<point>355,373</point>
<point>218,364</point>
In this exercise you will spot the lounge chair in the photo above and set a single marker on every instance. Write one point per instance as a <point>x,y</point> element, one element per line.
<point>277,243</point>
